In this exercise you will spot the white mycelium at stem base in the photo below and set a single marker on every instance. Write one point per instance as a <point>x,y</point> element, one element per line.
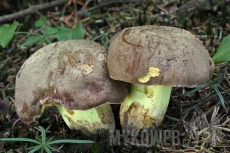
<point>145,105</point>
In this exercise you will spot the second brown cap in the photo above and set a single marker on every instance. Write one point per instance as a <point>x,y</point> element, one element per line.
<point>159,55</point>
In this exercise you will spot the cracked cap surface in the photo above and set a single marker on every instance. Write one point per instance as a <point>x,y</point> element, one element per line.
<point>179,56</point>
<point>72,74</point>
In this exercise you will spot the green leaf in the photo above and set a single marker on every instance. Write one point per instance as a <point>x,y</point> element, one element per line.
<point>41,41</point>
<point>32,40</point>
<point>70,34</point>
<point>49,30</point>
<point>223,51</point>
<point>62,33</point>
<point>78,32</point>
<point>41,22</point>
<point>48,40</point>
<point>6,33</point>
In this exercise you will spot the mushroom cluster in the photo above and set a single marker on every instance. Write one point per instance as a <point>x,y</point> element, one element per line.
<point>80,78</point>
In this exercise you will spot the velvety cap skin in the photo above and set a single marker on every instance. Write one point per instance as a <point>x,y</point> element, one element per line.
<point>72,74</point>
<point>158,55</point>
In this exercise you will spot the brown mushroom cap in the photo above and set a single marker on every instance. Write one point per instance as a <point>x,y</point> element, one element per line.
<point>72,74</point>
<point>179,56</point>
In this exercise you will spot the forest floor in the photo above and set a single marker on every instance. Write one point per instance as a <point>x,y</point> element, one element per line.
<point>199,116</point>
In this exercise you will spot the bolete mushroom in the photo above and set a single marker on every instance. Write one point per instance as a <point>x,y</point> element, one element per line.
<point>73,76</point>
<point>154,59</point>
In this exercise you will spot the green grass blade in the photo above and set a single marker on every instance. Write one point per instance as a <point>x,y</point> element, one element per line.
<point>48,150</point>
<point>50,139</point>
<point>20,139</point>
<point>54,149</point>
<point>31,33</point>
<point>35,149</point>
<point>95,38</point>
<point>220,96</point>
<point>69,141</point>
<point>106,41</point>
<point>194,90</point>
<point>31,148</point>
<point>43,133</point>
<point>38,139</point>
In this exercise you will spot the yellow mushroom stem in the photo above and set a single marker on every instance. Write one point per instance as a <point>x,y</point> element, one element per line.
<point>144,106</point>
<point>88,121</point>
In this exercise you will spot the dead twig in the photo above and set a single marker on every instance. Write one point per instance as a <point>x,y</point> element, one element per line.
<point>82,13</point>
<point>31,10</point>
<point>204,100</point>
